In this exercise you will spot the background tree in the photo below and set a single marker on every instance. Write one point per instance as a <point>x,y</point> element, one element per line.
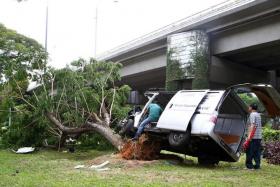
<point>22,60</point>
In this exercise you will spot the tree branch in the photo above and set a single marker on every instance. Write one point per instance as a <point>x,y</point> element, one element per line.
<point>65,129</point>
<point>105,115</point>
<point>111,107</point>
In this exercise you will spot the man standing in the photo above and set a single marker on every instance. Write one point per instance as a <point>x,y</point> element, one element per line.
<point>154,111</point>
<point>252,145</point>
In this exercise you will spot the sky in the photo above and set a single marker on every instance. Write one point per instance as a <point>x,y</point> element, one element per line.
<point>72,23</point>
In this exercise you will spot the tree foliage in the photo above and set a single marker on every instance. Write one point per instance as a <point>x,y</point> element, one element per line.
<point>200,56</point>
<point>86,94</point>
<point>174,72</point>
<point>250,98</point>
<point>20,56</point>
<point>188,59</point>
<point>81,98</point>
<point>22,60</point>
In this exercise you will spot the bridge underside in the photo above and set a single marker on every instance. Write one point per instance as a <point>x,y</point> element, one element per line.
<point>257,64</point>
<point>145,80</point>
<point>248,52</point>
<point>264,57</point>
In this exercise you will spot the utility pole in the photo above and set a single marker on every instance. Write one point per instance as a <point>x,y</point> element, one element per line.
<point>95,30</point>
<point>46,29</point>
<point>96,26</point>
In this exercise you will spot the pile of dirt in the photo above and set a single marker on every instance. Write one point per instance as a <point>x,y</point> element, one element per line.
<point>143,149</point>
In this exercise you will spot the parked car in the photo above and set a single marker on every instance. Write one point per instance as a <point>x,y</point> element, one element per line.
<point>208,124</point>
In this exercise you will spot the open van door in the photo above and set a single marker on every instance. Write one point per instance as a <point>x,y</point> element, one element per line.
<point>269,97</point>
<point>180,109</point>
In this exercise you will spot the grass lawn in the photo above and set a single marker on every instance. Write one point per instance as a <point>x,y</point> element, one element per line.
<point>50,168</point>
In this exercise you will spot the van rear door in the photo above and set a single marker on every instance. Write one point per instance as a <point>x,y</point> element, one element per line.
<point>180,109</point>
<point>269,97</point>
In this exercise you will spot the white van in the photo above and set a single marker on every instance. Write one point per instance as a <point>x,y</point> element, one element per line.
<point>208,124</point>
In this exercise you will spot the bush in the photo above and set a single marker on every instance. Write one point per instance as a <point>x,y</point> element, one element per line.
<point>271,134</point>
<point>272,152</point>
<point>1,143</point>
<point>21,135</point>
<point>94,141</point>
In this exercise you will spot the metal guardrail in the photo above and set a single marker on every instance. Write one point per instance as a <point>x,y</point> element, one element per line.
<point>188,21</point>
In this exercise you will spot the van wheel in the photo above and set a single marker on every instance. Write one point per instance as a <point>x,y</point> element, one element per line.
<point>204,161</point>
<point>179,139</point>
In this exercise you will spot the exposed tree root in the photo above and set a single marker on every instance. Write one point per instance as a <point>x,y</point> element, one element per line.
<point>143,149</point>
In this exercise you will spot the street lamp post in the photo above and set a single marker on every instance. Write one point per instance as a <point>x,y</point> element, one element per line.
<point>96,26</point>
<point>46,28</point>
<point>95,32</point>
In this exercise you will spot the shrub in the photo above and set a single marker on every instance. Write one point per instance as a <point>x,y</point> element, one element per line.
<point>271,134</point>
<point>94,141</point>
<point>272,152</point>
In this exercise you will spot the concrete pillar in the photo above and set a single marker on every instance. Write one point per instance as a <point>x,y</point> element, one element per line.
<point>187,60</point>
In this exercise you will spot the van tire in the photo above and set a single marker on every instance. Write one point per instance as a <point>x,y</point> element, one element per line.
<point>204,161</point>
<point>179,139</point>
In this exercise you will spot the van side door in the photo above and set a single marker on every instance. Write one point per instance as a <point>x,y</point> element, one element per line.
<point>180,109</point>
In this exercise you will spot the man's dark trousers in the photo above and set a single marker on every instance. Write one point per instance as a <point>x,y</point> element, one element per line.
<point>253,152</point>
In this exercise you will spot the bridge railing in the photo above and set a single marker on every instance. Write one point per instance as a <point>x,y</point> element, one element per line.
<point>172,28</point>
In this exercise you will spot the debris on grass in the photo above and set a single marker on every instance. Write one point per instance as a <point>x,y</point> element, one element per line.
<point>99,166</point>
<point>25,150</point>
<point>79,166</point>
<point>103,169</point>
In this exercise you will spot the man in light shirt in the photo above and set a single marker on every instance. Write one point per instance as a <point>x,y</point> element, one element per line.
<point>252,144</point>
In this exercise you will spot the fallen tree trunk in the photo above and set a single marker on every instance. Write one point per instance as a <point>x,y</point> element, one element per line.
<point>144,149</point>
<point>104,130</point>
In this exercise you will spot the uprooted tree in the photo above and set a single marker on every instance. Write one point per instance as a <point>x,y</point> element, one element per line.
<point>73,101</point>
<point>80,98</point>
<point>86,100</point>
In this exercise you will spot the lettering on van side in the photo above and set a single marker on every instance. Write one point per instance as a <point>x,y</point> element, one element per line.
<point>182,106</point>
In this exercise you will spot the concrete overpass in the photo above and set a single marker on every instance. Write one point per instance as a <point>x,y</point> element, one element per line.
<point>244,42</point>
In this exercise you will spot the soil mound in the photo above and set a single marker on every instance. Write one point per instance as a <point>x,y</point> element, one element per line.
<point>143,149</point>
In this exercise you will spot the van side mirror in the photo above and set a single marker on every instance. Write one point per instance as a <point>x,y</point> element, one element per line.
<point>134,98</point>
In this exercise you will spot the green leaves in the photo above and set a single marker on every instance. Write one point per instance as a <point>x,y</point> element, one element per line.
<point>19,55</point>
<point>74,95</point>
<point>82,88</point>
<point>20,58</point>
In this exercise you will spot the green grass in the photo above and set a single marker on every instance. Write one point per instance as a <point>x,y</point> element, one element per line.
<point>50,168</point>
